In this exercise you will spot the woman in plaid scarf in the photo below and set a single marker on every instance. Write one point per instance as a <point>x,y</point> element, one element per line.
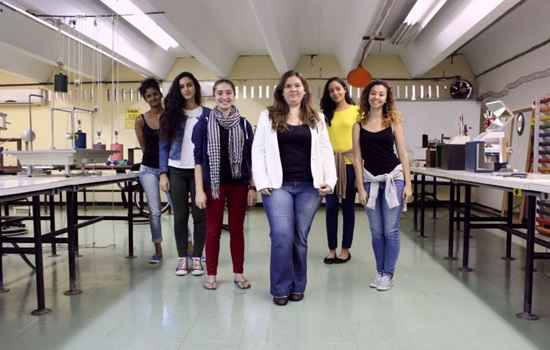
<point>223,143</point>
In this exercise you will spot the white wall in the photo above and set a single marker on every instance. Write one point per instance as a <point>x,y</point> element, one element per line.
<point>516,98</point>
<point>435,118</point>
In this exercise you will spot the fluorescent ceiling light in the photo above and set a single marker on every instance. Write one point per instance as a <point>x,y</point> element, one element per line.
<point>420,15</point>
<point>136,17</point>
<point>423,11</point>
<point>63,32</point>
<point>112,55</point>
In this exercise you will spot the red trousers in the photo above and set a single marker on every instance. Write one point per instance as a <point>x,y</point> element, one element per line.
<point>236,197</point>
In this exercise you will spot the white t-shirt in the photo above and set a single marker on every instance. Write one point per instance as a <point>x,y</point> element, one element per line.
<point>187,160</point>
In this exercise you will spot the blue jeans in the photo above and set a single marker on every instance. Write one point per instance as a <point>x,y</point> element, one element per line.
<point>290,212</point>
<point>348,210</point>
<point>149,179</point>
<point>385,226</point>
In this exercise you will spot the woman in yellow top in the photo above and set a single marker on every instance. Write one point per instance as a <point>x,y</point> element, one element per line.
<point>341,114</point>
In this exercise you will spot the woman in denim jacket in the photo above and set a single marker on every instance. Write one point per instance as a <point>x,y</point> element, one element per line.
<point>383,176</point>
<point>177,164</point>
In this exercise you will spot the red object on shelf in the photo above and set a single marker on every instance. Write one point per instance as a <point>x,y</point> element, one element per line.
<point>119,151</point>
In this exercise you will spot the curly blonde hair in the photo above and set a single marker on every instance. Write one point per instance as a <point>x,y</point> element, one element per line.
<point>390,114</point>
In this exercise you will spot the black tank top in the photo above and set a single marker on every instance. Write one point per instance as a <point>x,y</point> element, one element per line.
<point>377,150</point>
<point>295,152</point>
<point>151,151</point>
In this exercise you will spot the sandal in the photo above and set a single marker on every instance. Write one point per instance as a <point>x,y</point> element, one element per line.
<point>210,285</point>
<point>242,284</point>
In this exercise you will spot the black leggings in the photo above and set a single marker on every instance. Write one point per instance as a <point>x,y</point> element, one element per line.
<point>182,182</point>
<point>348,207</point>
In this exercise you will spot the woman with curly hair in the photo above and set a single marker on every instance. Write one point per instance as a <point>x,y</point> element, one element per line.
<point>147,132</point>
<point>383,178</point>
<point>292,166</point>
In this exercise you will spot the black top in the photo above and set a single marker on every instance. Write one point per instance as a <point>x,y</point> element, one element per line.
<point>295,152</point>
<point>151,151</point>
<point>377,150</point>
<point>225,166</point>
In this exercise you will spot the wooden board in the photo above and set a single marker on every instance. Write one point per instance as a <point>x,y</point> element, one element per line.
<point>507,148</point>
<point>528,162</point>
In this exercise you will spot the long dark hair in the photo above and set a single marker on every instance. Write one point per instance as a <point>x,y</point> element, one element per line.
<point>278,112</point>
<point>174,104</point>
<point>389,112</point>
<point>328,106</point>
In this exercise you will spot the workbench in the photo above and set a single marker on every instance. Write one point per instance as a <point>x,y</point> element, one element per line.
<point>22,187</point>
<point>533,186</point>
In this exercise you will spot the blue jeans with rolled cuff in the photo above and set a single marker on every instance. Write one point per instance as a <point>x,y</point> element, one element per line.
<point>385,226</point>
<point>149,179</point>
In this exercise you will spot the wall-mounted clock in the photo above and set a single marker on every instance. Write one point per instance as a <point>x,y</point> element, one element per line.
<point>520,123</point>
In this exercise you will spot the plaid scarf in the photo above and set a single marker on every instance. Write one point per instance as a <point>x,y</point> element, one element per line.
<point>236,142</point>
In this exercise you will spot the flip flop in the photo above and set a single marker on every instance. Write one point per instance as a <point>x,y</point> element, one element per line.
<point>242,284</point>
<point>210,285</point>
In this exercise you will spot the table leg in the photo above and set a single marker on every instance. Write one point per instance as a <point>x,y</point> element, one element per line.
<point>434,191</point>
<point>422,204</point>
<point>37,233</point>
<point>2,288</point>
<point>76,238</point>
<point>450,253</point>
<point>415,199</point>
<point>51,203</point>
<point>529,261</point>
<point>72,212</point>
<point>458,200</point>
<point>130,188</point>
<point>466,236</point>
<point>509,224</point>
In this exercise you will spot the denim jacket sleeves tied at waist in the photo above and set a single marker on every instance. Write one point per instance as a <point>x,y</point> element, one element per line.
<point>390,191</point>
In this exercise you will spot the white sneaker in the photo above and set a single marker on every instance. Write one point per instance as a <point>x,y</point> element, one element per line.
<point>376,281</point>
<point>385,283</point>
<point>196,267</point>
<point>181,268</point>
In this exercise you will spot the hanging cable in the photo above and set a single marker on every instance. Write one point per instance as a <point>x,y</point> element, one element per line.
<point>542,74</point>
<point>113,92</point>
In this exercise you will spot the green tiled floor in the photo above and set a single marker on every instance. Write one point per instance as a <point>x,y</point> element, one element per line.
<point>129,304</point>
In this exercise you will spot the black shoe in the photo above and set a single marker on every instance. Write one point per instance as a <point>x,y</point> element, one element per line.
<point>280,301</point>
<point>330,261</point>
<point>296,296</point>
<point>343,261</point>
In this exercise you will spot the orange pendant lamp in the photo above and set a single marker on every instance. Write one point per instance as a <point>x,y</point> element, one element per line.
<point>360,76</point>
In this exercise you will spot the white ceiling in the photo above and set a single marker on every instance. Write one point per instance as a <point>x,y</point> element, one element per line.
<point>217,32</point>
<point>524,27</point>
